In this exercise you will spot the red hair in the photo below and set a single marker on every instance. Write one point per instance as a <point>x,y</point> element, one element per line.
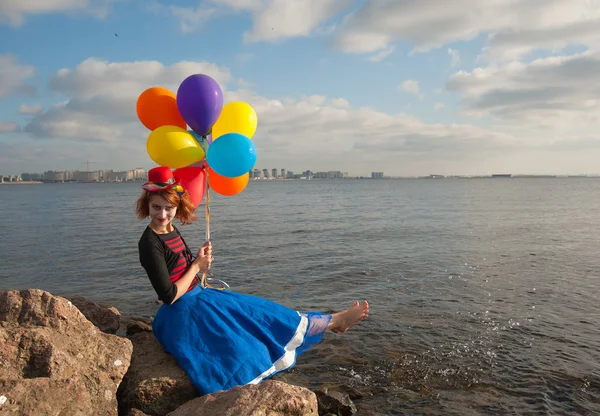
<point>185,208</point>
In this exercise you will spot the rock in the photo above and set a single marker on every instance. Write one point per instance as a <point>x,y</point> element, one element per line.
<point>272,398</point>
<point>155,383</point>
<point>334,401</point>
<point>136,412</point>
<point>352,393</point>
<point>367,412</point>
<point>55,361</point>
<point>134,326</point>
<point>106,318</point>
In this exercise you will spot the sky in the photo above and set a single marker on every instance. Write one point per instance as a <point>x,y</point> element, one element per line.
<point>407,87</point>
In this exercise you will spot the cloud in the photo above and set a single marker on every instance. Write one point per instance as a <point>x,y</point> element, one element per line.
<point>312,132</point>
<point>102,95</point>
<point>438,106</point>
<point>584,30</point>
<point>31,109</point>
<point>551,92</point>
<point>455,55</point>
<point>13,77</point>
<point>412,87</point>
<point>274,20</point>
<point>381,55</point>
<point>515,27</point>
<point>95,78</point>
<point>8,127</point>
<point>340,102</point>
<point>342,138</point>
<point>191,19</point>
<point>13,12</point>
<point>242,4</point>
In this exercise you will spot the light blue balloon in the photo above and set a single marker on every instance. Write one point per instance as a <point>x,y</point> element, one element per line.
<point>231,155</point>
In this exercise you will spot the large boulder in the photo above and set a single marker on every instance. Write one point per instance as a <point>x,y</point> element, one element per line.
<point>107,318</point>
<point>270,398</point>
<point>55,361</point>
<point>155,383</point>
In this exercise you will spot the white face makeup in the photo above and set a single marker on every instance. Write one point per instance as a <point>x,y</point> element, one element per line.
<point>161,213</point>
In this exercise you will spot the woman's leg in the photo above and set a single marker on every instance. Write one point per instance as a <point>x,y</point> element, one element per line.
<point>342,321</point>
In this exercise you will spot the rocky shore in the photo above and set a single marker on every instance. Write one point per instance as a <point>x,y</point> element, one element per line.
<point>74,357</point>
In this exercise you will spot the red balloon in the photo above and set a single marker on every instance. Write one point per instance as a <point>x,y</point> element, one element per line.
<point>193,180</point>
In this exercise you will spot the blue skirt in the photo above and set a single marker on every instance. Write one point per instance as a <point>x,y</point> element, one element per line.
<point>224,339</point>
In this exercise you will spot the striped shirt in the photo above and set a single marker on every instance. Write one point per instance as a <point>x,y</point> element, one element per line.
<point>166,258</point>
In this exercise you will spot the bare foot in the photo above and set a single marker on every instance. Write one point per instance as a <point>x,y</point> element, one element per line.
<point>342,321</point>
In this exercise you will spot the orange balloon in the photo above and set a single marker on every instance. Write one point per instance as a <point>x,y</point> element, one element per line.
<point>227,186</point>
<point>157,107</point>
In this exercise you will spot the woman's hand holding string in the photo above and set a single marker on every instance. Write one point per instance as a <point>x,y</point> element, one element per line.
<point>204,256</point>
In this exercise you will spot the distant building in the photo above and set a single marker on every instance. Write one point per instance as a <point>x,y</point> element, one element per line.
<point>274,173</point>
<point>53,175</point>
<point>266,173</point>
<point>376,175</point>
<point>140,174</point>
<point>83,176</point>
<point>283,173</point>
<point>122,176</point>
<point>31,176</point>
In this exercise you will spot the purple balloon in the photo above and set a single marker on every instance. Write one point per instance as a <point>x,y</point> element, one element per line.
<point>200,101</point>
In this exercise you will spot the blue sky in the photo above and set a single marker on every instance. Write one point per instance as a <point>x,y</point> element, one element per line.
<point>459,88</point>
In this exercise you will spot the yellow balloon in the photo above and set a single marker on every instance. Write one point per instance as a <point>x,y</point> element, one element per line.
<point>236,117</point>
<point>174,147</point>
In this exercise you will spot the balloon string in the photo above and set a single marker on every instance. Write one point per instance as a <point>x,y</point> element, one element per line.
<point>204,283</point>
<point>207,216</point>
<point>207,209</point>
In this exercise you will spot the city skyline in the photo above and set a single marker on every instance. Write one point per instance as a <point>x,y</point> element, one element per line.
<point>140,174</point>
<point>323,173</point>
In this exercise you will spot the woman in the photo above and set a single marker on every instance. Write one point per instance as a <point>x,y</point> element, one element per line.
<point>220,338</point>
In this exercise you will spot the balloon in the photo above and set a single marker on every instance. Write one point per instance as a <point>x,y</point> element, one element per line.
<point>236,117</point>
<point>232,155</point>
<point>193,180</point>
<point>157,107</point>
<point>173,147</point>
<point>227,186</point>
<point>200,101</point>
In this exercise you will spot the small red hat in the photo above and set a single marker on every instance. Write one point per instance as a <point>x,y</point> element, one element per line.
<point>161,177</point>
